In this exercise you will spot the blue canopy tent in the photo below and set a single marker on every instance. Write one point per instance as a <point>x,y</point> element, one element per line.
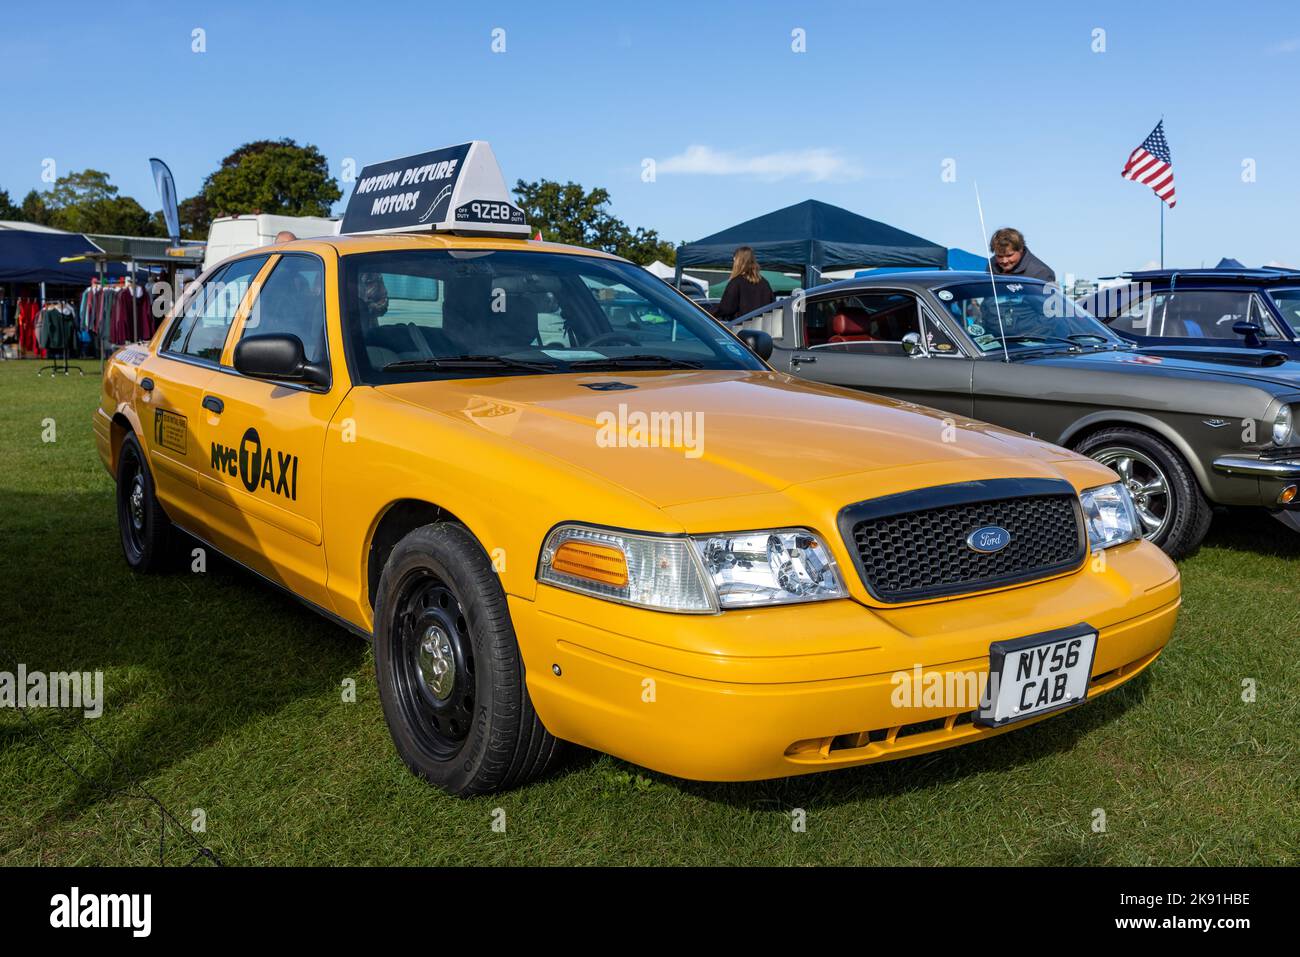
<point>34,257</point>
<point>812,237</point>
<point>957,259</point>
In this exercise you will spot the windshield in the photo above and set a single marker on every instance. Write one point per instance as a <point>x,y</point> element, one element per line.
<point>1031,316</point>
<point>430,314</point>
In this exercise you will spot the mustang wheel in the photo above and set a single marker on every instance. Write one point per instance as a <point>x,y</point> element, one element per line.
<point>451,680</point>
<point>1171,509</point>
<point>146,529</point>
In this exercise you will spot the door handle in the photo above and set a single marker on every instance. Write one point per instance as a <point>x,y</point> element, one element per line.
<point>147,384</point>
<point>796,359</point>
<point>213,404</point>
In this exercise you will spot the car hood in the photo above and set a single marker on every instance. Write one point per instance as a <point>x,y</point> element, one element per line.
<point>735,432</point>
<point>1142,362</point>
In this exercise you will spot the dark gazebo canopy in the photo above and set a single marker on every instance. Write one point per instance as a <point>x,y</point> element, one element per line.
<point>33,257</point>
<point>812,237</point>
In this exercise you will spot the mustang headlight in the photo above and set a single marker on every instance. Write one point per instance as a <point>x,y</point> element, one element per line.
<point>1110,516</point>
<point>1282,423</point>
<point>776,566</point>
<point>703,574</point>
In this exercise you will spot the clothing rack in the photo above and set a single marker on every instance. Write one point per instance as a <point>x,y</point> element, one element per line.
<point>70,338</point>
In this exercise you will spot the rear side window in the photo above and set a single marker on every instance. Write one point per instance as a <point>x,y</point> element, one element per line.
<point>292,302</point>
<point>202,328</point>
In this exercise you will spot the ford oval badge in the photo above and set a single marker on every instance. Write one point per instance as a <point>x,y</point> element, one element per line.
<point>989,539</point>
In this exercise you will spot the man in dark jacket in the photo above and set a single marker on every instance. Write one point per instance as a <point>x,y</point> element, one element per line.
<point>1011,257</point>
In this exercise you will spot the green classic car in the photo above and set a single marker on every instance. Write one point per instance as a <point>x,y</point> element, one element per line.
<point>1186,428</point>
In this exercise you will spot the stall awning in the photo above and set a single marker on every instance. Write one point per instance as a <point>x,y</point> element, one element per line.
<point>32,257</point>
<point>813,237</point>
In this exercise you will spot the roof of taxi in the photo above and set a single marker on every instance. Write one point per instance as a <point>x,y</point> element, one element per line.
<point>347,244</point>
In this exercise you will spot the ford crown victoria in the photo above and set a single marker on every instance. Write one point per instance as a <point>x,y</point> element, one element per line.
<point>561,519</point>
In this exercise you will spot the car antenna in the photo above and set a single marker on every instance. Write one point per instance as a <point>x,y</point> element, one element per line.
<point>997,305</point>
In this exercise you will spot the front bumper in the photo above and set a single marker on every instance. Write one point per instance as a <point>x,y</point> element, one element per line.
<point>1258,467</point>
<point>792,690</point>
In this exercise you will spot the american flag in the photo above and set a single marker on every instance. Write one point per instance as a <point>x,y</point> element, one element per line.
<point>1150,163</point>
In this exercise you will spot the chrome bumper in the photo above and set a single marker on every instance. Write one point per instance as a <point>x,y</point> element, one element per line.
<point>1260,468</point>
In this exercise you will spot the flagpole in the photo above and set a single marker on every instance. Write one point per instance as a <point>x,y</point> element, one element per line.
<point>1162,231</point>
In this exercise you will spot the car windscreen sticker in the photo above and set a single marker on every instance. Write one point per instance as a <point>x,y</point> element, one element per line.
<point>945,295</point>
<point>170,430</point>
<point>569,355</point>
<point>454,188</point>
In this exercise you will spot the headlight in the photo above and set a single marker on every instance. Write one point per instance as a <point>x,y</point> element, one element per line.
<point>695,575</point>
<point>651,571</point>
<point>776,566</point>
<point>1282,426</point>
<point>1110,516</point>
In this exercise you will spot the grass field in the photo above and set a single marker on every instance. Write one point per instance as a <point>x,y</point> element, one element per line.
<point>224,695</point>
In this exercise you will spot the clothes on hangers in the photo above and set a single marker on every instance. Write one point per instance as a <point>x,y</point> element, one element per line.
<point>57,327</point>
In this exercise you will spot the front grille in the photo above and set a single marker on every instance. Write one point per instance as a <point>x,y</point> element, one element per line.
<point>913,546</point>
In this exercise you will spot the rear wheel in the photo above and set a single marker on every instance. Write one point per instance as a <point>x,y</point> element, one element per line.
<point>1171,509</point>
<point>451,680</point>
<point>145,528</point>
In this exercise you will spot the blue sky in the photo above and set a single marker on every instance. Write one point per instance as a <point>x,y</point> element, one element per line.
<point>737,122</point>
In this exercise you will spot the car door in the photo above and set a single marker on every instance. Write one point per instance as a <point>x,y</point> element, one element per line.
<point>266,439</point>
<point>856,339</point>
<point>172,384</point>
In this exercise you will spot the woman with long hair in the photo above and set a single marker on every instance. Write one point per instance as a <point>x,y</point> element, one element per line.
<point>746,290</point>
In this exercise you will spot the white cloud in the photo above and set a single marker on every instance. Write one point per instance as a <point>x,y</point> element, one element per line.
<point>814,165</point>
<point>1286,46</point>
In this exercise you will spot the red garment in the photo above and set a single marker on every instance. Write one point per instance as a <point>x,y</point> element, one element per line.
<point>143,315</point>
<point>28,310</point>
<point>119,330</point>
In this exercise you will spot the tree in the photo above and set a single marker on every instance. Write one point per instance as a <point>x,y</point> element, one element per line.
<point>272,176</point>
<point>567,213</point>
<point>195,216</point>
<point>7,208</point>
<point>34,210</point>
<point>84,201</point>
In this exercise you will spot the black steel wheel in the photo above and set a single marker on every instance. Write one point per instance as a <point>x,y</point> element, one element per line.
<point>450,675</point>
<point>145,529</point>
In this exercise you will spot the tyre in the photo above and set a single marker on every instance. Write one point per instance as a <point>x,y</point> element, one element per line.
<point>450,676</point>
<point>146,530</point>
<point>1172,511</point>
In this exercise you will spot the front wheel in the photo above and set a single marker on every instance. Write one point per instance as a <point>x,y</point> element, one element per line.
<point>450,676</point>
<point>1171,509</point>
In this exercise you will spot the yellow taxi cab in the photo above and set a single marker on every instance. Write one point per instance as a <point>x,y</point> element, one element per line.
<point>568,506</point>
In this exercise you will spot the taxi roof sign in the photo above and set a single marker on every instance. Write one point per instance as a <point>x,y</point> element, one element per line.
<point>453,189</point>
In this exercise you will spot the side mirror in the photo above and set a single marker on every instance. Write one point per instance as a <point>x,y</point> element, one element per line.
<point>1250,331</point>
<point>759,342</point>
<point>278,356</point>
<point>913,346</point>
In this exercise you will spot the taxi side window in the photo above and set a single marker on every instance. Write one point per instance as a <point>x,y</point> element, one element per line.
<point>188,314</point>
<point>292,301</point>
<point>211,310</point>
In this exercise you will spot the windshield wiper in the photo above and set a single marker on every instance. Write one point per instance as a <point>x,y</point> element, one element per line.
<point>435,363</point>
<point>1068,342</point>
<point>640,361</point>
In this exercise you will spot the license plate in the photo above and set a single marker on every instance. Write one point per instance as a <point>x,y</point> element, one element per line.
<point>1037,674</point>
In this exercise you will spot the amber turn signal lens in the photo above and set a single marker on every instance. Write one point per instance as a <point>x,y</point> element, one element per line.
<point>1287,496</point>
<point>592,561</point>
